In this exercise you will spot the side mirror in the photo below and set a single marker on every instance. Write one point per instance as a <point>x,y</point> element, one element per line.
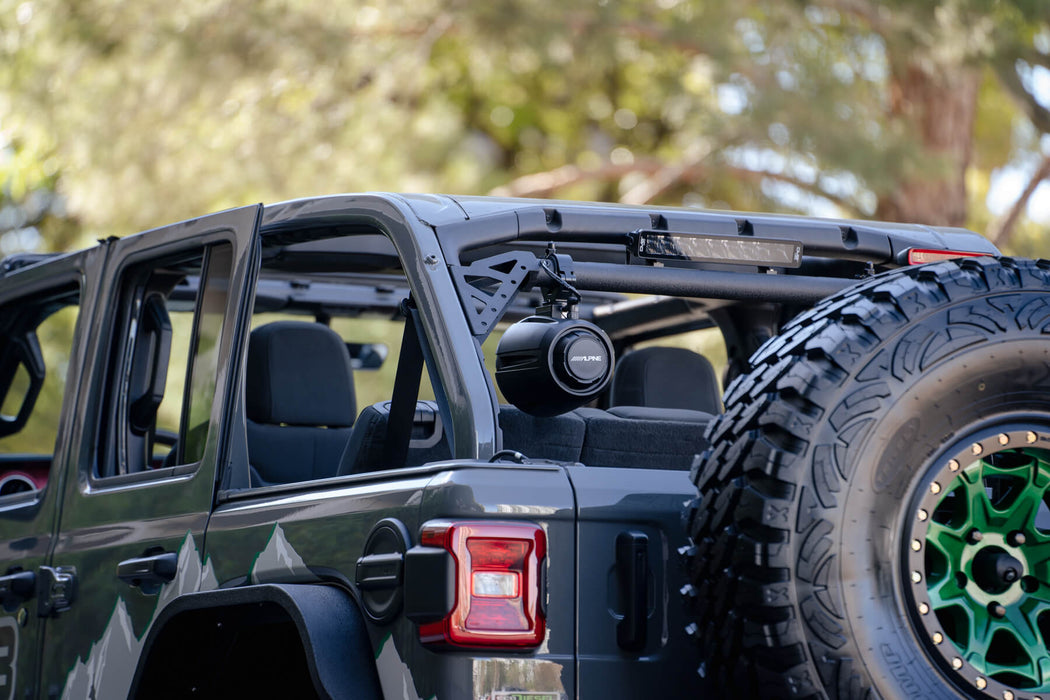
<point>21,370</point>
<point>367,355</point>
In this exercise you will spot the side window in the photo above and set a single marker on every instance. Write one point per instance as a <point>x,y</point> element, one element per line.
<point>36,339</point>
<point>163,363</point>
<point>325,362</point>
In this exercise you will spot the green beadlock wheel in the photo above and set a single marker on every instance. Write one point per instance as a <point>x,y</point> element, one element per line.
<point>870,517</point>
<point>978,552</point>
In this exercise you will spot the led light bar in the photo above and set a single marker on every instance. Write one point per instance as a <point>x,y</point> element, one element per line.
<point>704,247</point>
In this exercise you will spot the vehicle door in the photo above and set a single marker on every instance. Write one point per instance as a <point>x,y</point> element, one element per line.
<point>148,437</point>
<point>44,313</point>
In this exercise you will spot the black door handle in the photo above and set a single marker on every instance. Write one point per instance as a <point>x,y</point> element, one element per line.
<point>632,573</point>
<point>149,573</point>
<point>16,588</point>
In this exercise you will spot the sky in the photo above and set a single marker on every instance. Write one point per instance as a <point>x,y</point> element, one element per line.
<point>1008,183</point>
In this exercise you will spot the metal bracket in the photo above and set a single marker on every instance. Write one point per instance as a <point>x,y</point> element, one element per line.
<point>487,286</point>
<point>560,298</point>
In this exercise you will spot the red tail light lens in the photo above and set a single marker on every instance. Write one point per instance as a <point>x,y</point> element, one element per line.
<point>497,584</point>
<point>920,256</point>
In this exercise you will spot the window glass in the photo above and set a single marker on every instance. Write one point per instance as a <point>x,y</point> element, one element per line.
<point>212,311</point>
<point>167,363</point>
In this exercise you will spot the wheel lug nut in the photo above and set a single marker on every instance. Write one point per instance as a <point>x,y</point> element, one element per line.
<point>1016,538</point>
<point>974,536</point>
<point>996,610</point>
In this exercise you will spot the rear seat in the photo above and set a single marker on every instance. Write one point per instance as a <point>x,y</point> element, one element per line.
<point>663,400</point>
<point>644,438</point>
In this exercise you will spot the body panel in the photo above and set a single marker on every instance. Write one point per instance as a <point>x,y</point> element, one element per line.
<point>93,647</point>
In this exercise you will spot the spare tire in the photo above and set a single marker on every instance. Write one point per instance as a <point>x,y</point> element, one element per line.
<point>871,518</point>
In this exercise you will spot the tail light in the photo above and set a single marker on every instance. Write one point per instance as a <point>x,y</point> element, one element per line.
<point>919,256</point>
<point>496,583</point>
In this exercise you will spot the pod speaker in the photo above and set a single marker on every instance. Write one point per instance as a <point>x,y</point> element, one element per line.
<point>547,366</point>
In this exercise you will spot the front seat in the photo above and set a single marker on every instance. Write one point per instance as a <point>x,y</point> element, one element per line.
<point>666,378</point>
<point>300,403</point>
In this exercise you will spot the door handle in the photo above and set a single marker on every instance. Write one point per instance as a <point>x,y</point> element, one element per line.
<point>149,573</point>
<point>16,588</point>
<point>632,573</point>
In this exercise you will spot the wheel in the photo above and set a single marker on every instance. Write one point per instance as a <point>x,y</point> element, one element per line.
<point>871,518</point>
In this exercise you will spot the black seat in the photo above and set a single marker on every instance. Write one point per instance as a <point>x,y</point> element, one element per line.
<point>661,377</point>
<point>557,438</point>
<point>642,437</point>
<point>366,449</point>
<point>300,402</point>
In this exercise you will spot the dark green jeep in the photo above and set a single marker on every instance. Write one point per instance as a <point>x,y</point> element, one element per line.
<point>392,446</point>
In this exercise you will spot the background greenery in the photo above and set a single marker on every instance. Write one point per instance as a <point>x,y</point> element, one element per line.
<point>117,116</point>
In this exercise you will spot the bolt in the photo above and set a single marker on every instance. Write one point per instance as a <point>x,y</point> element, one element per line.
<point>924,608</point>
<point>938,637</point>
<point>953,465</point>
<point>980,683</point>
<point>431,259</point>
<point>1030,437</point>
<point>923,514</point>
<point>1007,695</point>
<point>1004,439</point>
<point>1010,575</point>
<point>974,536</point>
<point>935,487</point>
<point>1016,538</point>
<point>996,610</point>
<point>956,663</point>
<point>976,448</point>
<point>916,577</point>
<point>916,545</point>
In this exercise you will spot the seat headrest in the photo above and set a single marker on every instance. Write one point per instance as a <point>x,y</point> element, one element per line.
<point>299,374</point>
<point>666,378</point>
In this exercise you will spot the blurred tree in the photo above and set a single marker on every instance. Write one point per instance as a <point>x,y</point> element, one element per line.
<point>153,111</point>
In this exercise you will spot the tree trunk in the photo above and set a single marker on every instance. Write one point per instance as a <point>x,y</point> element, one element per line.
<point>939,104</point>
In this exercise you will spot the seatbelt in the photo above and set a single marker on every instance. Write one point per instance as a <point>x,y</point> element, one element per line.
<point>406,391</point>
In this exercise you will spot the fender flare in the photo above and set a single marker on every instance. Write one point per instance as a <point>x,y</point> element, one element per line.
<point>330,626</point>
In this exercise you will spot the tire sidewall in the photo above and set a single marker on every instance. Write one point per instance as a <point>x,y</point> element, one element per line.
<point>925,414</point>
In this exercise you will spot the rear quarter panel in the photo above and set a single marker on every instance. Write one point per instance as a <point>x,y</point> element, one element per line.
<point>316,532</point>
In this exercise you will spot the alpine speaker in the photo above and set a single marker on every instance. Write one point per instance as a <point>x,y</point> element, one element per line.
<point>547,366</point>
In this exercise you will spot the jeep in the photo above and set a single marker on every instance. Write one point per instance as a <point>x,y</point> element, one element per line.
<point>408,446</point>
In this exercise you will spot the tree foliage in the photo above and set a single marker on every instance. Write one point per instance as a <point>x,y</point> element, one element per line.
<point>128,115</point>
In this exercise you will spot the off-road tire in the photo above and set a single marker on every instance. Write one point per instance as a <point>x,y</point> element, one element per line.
<point>801,562</point>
